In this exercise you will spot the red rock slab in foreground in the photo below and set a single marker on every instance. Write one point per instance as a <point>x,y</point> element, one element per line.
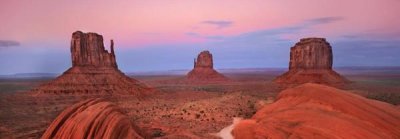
<point>204,69</point>
<point>311,60</point>
<point>318,111</point>
<point>92,119</point>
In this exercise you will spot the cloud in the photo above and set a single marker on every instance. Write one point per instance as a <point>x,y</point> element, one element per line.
<point>197,35</point>
<point>8,43</point>
<point>306,24</point>
<point>268,34</point>
<point>294,28</point>
<point>218,24</point>
<point>193,34</point>
<point>325,20</point>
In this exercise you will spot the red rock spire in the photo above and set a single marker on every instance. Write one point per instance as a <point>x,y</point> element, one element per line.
<point>112,47</point>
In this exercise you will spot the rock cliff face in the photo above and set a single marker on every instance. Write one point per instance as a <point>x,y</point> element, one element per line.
<point>311,53</point>
<point>93,118</point>
<point>87,49</point>
<point>203,70</point>
<point>318,111</point>
<point>311,61</point>
<point>204,60</point>
<point>94,71</point>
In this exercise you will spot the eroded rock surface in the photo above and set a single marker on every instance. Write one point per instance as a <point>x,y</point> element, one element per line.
<point>93,118</point>
<point>318,111</point>
<point>204,69</point>
<point>94,71</point>
<point>311,60</point>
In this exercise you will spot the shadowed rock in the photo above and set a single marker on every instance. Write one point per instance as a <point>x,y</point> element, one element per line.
<point>318,111</point>
<point>87,49</point>
<point>93,118</point>
<point>94,71</point>
<point>204,69</point>
<point>311,61</point>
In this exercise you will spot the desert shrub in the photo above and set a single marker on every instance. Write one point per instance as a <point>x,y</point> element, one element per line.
<point>392,98</point>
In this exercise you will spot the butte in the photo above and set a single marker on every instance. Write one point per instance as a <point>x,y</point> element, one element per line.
<point>94,71</point>
<point>203,70</point>
<point>311,60</point>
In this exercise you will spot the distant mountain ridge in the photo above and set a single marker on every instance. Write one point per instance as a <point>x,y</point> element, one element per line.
<point>31,75</point>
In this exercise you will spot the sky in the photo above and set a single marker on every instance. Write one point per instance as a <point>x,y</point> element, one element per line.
<point>160,35</point>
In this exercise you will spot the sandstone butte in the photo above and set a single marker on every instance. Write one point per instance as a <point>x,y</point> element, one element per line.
<point>318,111</point>
<point>311,60</point>
<point>94,71</point>
<point>203,70</point>
<point>92,118</point>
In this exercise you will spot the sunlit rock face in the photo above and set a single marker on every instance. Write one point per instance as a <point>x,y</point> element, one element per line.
<point>311,60</point>
<point>203,70</point>
<point>318,111</point>
<point>92,119</point>
<point>94,71</point>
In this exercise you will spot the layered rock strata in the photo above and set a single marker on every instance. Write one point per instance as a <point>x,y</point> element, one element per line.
<point>92,119</point>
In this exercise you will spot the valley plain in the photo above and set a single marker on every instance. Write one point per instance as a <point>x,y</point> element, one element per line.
<point>178,109</point>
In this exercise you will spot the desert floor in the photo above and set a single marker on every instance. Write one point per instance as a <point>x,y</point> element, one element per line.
<point>177,109</point>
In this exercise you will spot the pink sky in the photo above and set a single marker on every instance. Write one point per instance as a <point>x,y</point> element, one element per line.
<point>168,34</point>
<point>145,22</point>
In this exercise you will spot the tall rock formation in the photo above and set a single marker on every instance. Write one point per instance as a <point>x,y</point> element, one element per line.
<point>318,111</point>
<point>94,71</point>
<point>311,61</point>
<point>87,49</point>
<point>203,70</point>
<point>92,119</point>
<point>204,60</point>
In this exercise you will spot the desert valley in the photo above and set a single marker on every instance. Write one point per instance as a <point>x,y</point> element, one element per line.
<point>173,69</point>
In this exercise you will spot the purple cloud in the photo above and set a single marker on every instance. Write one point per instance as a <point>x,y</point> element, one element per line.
<point>325,20</point>
<point>8,43</point>
<point>218,24</point>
